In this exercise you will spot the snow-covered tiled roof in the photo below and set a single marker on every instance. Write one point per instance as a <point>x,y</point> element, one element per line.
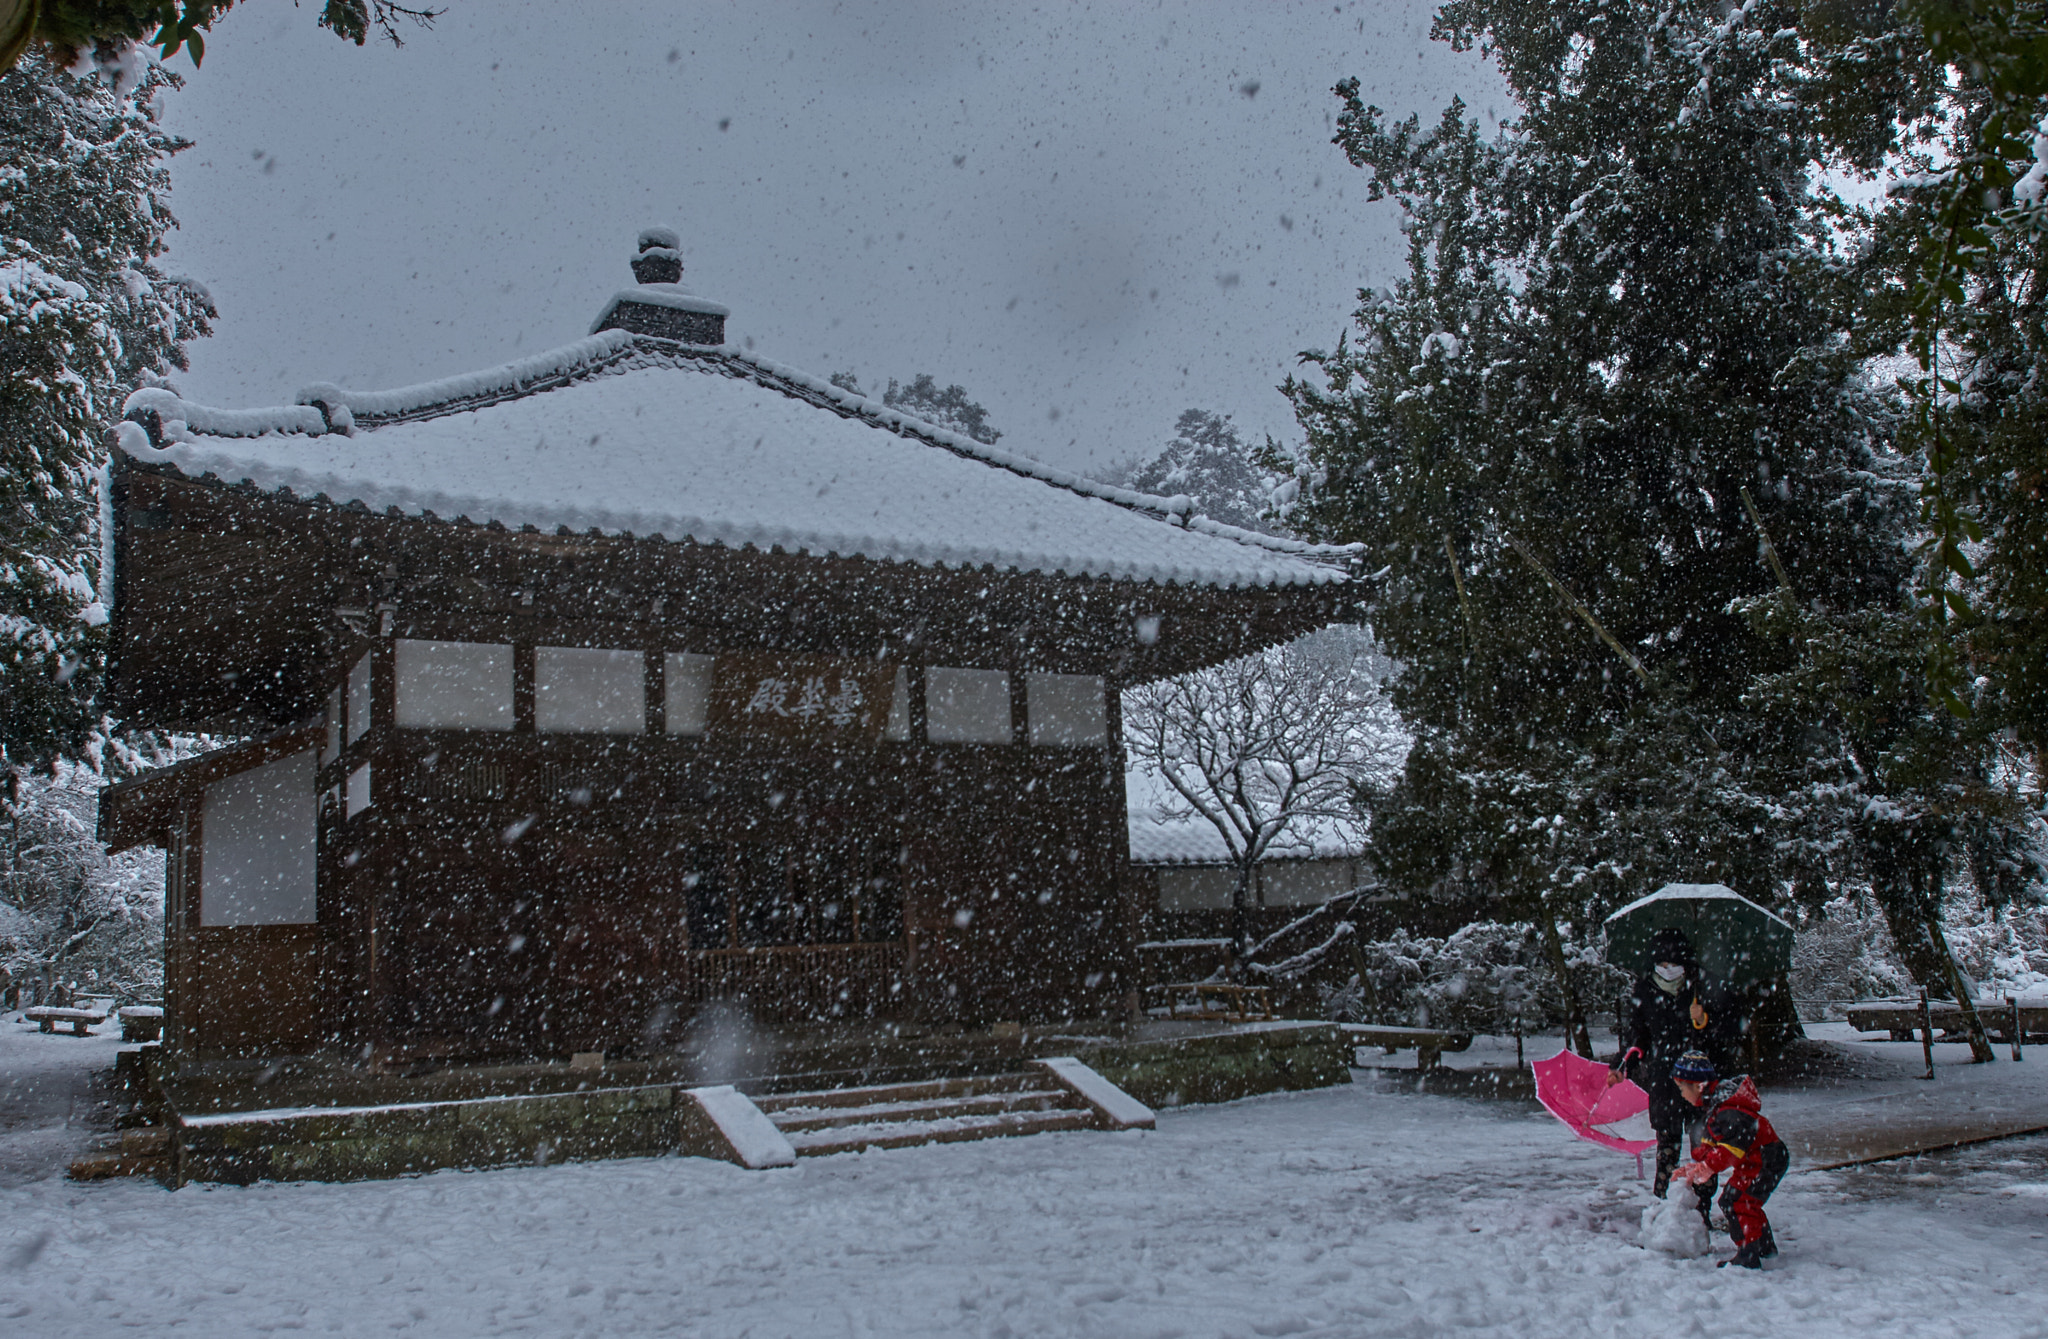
<point>626,434</point>
<point>1195,841</point>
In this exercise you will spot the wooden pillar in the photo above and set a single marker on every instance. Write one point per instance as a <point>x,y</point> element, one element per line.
<point>1926,1033</point>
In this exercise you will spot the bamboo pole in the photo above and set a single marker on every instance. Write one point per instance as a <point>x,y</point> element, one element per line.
<point>1578,607</point>
<point>1973,1026</point>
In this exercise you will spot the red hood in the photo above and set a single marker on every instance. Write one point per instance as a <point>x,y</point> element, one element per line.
<point>1737,1092</point>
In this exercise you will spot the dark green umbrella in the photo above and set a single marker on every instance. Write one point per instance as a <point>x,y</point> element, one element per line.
<point>1738,943</point>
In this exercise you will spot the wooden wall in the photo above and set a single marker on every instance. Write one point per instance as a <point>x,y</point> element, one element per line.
<point>238,991</point>
<point>520,893</point>
<point>557,915</point>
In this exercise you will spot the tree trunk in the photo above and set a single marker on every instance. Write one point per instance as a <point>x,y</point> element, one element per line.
<point>1574,1013</point>
<point>1240,918</point>
<point>1908,890</point>
<point>1973,1026</point>
<point>1909,914</point>
<point>1776,1016</point>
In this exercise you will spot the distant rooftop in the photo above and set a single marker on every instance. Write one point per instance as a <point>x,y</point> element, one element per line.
<point>1195,841</point>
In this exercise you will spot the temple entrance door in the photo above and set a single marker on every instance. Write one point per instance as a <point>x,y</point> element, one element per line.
<point>619,931</point>
<point>464,953</point>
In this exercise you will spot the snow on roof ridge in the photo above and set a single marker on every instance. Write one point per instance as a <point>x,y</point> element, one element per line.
<point>1175,510</point>
<point>582,355</point>
<point>170,408</point>
<point>673,296</point>
<point>1190,841</point>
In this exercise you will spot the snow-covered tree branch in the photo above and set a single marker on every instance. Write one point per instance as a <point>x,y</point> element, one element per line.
<point>1269,748</point>
<point>70,915</point>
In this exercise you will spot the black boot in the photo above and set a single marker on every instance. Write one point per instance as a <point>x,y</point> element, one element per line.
<point>1751,1254</point>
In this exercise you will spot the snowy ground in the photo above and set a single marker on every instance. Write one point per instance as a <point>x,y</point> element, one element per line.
<point>44,1096</point>
<point>1366,1210</point>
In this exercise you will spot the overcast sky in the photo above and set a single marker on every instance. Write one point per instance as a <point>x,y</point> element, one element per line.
<point>1092,216</point>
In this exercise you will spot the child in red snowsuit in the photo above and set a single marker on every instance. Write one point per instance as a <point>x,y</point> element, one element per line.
<point>1736,1139</point>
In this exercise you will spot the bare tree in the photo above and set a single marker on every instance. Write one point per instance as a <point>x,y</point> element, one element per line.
<point>1268,748</point>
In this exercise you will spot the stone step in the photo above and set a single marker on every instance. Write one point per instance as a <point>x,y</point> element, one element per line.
<point>819,1115</point>
<point>139,1151</point>
<point>978,1085</point>
<point>107,1163</point>
<point>944,1130</point>
<point>145,1141</point>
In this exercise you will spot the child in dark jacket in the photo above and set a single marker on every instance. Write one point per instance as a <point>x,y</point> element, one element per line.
<point>1733,1137</point>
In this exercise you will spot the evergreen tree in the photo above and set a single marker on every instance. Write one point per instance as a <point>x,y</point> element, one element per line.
<point>1209,461</point>
<point>1619,362</point>
<point>85,316</point>
<point>951,408</point>
<point>109,30</point>
<point>1950,97</point>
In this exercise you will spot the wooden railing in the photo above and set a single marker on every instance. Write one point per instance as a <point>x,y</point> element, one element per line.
<point>810,981</point>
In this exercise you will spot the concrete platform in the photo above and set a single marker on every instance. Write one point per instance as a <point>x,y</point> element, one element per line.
<point>322,1119</point>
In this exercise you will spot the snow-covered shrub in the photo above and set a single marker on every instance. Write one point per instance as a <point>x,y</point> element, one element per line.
<point>1845,953</point>
<point>72,919</point>
<point>2003,952</point>
<point>1487,977</point>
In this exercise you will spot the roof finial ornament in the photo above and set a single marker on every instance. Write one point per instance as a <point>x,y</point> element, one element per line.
<point>659,306</point>
<point>659,261</point>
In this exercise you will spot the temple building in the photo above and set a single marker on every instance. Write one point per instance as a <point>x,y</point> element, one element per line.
<point>643,673</point>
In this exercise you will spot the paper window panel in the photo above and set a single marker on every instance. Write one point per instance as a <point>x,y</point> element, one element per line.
<point>452,686</point>
<point>967,706</point>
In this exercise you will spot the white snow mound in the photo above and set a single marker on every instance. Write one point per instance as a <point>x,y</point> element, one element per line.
<point>1674,1227</point>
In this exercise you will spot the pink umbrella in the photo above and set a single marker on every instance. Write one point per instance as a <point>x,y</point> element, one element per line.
<point>1575,1090</point>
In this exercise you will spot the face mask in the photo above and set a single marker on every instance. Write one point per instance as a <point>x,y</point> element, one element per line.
<point>1671,971</point>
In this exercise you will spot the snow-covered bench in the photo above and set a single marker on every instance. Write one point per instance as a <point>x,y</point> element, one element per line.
<point>1901,1018</point>
<point>1429,1043</point>
<point>46,1017</point>
<point>1218,999</point>
<point>142,1022</point>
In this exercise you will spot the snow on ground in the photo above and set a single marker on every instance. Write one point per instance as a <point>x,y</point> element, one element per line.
<point>1365,1210</point>
<point>44,1098</point>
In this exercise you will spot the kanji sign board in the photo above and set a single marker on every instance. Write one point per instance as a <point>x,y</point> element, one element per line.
<point>802,697</point>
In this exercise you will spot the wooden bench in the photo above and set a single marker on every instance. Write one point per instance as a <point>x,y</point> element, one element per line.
<point>1238,1004</point>
<point>1901,1018</point>
<point>1429,1043</point>
<point>46,1017</point>
<point>142,1022</point>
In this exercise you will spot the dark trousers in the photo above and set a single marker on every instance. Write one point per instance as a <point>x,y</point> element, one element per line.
<point>1668,1112</point>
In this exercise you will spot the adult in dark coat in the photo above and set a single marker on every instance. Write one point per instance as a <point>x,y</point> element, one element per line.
<point>1671,1011</point>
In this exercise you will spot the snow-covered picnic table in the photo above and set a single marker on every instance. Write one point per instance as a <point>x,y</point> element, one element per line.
<point>48,1016</point>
